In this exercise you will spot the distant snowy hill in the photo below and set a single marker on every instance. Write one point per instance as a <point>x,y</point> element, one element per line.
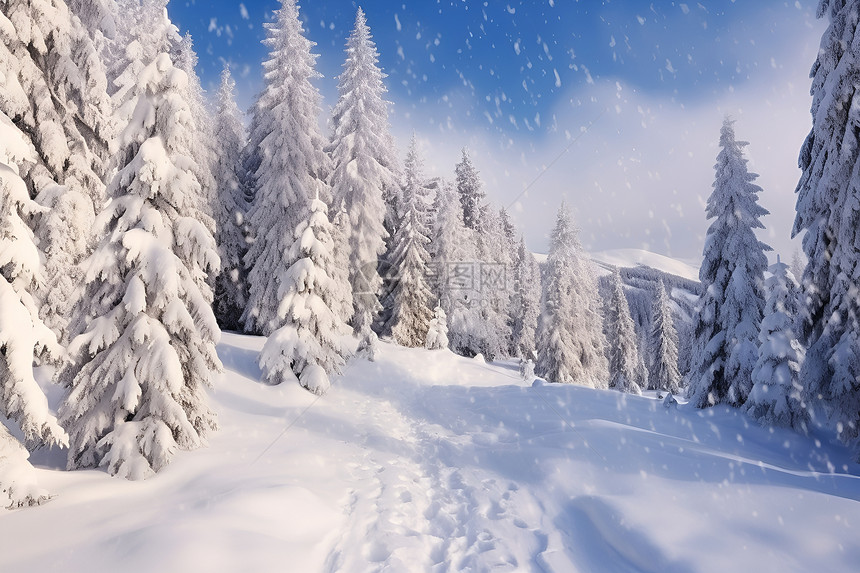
<point>425,461</point>
<point>638,257</point>
<point>631,258</point>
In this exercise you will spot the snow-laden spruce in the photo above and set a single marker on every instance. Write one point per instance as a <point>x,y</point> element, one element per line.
<point>471,192</point>
<point>204,150</point>
<point>495,257</point>
<point>828,213</point>
<point>138,377</point>
<point>309,346</point>
<point>410,294</point>
<point>365,169</point>
<point>454,257</point>
<point>231,285</point>
<point>23,336</point>
<point>622,346</point>
<point>293,166</point>
<point>663,373</point>
<point>437,334</point>
<point>570,336</point>
<point>729,312</point>
<point>775,398</point>
<point>54,88</point>
<point>525,304</point>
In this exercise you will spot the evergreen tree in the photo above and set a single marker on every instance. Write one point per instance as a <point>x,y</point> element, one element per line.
<point>729,312</point>
<point>663,373</point>
<point>54,90</point>
<point>23,336</point>
<point>204,150</point>
<point>624,372</point>
<point>308,346</point>
<point>455,285</point>
<point>570,330</point>
<point>437,334</point>
<point>139,371</point>
<point>365,169</point>
<point>231,285</point>
<point>775,398</point>
<point>293,165</point>
<point>829,215</point>
<point>471,193</point>
<point>495,264</point>
<point>525,304</point>
<point>410,295</point>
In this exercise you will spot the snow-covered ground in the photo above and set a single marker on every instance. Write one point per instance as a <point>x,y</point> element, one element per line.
<point>425,461</point>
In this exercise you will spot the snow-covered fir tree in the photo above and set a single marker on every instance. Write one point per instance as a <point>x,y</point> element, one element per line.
<point>471,192</point>
<point>139,371</point>
<point>231,286</point>
<point>798,264</point>
<point>365,169</point>
<point>621,343</point>
<point>23,336</point>
<point>570,336</point>
<point>775,398</point>
<point>437,334</point>
<point>410,294</point>
<point>55,91</point>
<point>729,312</point>
<point>663,372</point>
<point>493,270</point>
<point>525,304</point>
<point>829,215</point>
<point>454,256</point>
<point>340,273</point>
<point>293,165</point>
<point>205,147</point>
<point>309,345</point>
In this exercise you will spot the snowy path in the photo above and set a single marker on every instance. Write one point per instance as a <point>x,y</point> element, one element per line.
<point>430,462</point>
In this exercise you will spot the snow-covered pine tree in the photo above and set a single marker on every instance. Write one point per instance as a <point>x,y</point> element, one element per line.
<point>495,264</point>
<point>471,193</point>
<point>525,304</point>
<point>54,90</point>
<point>570,336</point>
<point>729,312</point>
<point>308,346</point>
<point>293,164</point>
<point>340,273</point>
<point>621,342</point>
<point>829,215</point>
<point>437,334</point>
<point>139,371</point>
<point>798,264</point>
<point>23,336</point>
<point>454,259</point>
<point>663,373</point>
<point>410,295</point>
<point>204,150</point>
<point>365,169</point>
<point>775,398</point>
<point>231,286</point>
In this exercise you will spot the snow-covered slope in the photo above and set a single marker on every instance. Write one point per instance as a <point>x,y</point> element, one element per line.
<point>424,461</point>
<point>627,258</point>
<point>631,258</point>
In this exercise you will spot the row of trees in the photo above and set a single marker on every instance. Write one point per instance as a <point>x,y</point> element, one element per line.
<point>148,214</point>
<point>788,354</point>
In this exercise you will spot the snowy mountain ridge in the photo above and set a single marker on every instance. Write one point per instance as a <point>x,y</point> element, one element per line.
<point>632,258</point>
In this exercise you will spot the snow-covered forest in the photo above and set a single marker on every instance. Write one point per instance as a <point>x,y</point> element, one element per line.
<point>314,346</point>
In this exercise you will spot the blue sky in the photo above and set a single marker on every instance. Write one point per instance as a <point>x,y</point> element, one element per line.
<point>518,81</point>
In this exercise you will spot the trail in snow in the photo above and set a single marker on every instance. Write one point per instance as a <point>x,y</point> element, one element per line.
<point>424,461</point>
